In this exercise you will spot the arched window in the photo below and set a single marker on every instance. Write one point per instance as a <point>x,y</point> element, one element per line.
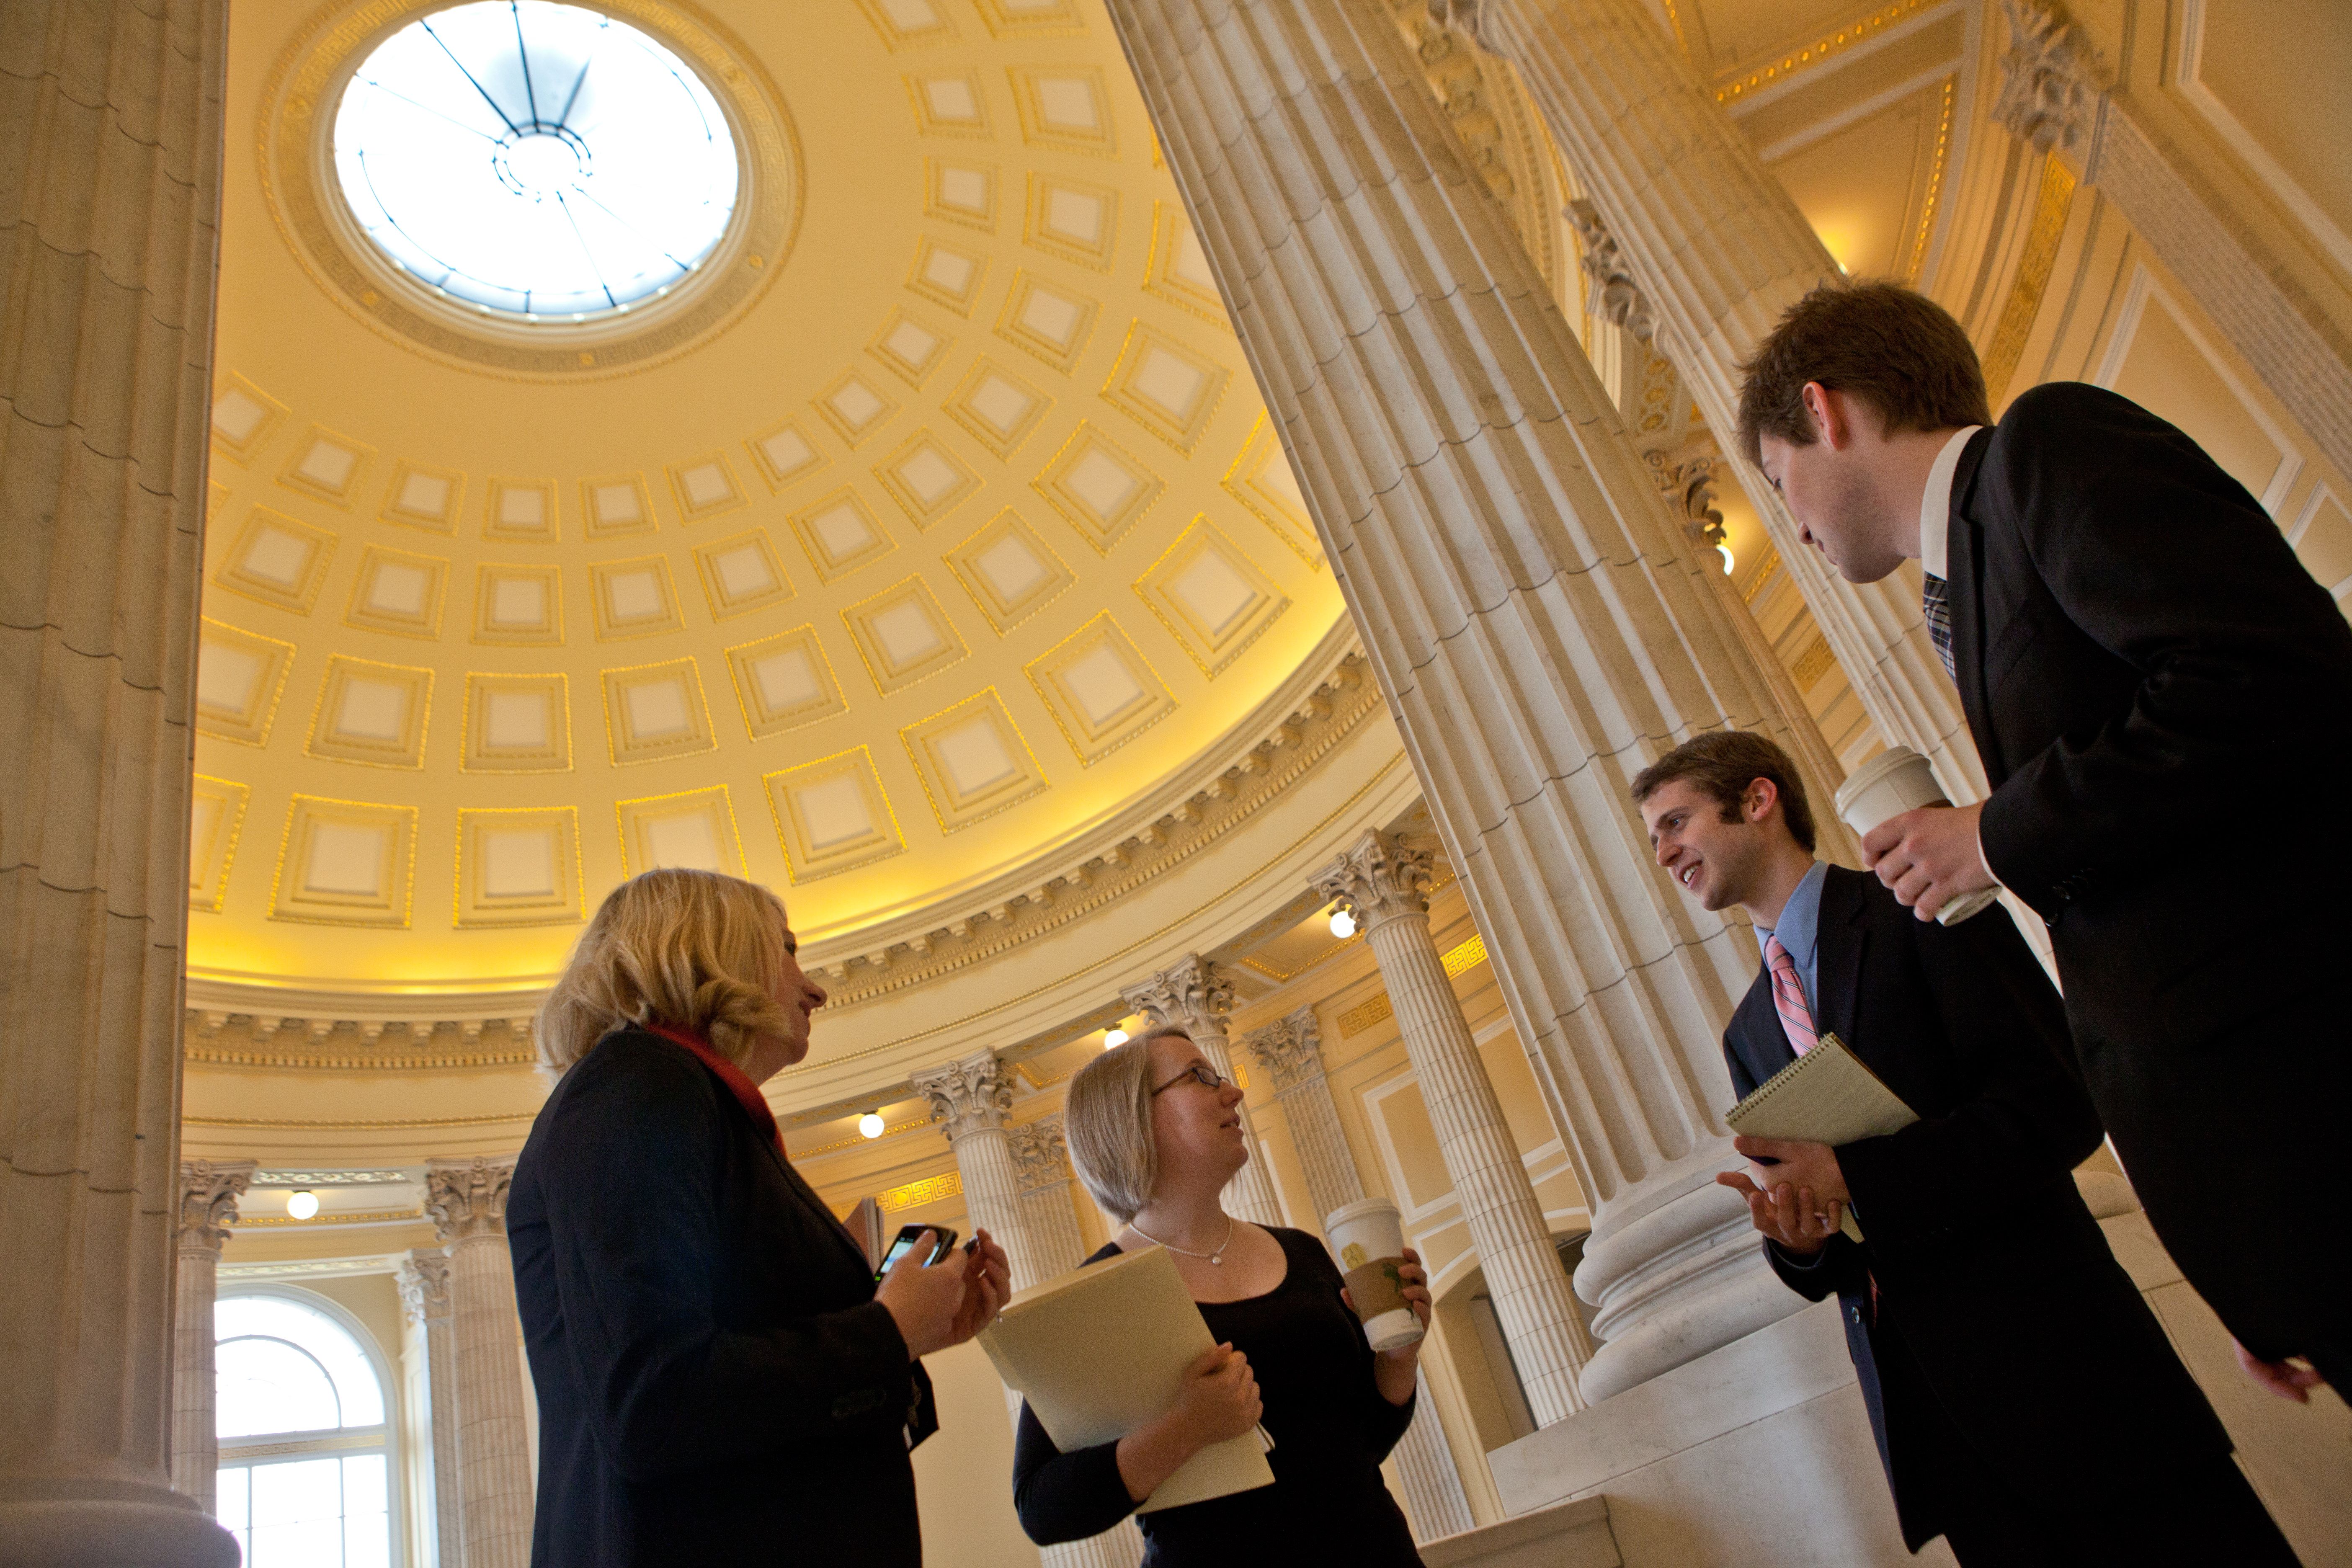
<point>305,1470</point>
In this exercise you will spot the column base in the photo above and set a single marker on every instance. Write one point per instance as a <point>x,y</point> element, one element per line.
<point>107,1524</point>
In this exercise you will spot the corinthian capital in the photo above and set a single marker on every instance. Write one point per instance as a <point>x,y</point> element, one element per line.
<point>970,1094</point>
<point>1039,1153</point>
<point>468,1197</point>
<point>1622,300</point>
<point>1462,15</point>
<point>1290,1048</point>
<point>424,1280</point>
<point>1379,879</point>
<point>1190,994</point>
<point>2050,76</point>
<point>208,1193</point>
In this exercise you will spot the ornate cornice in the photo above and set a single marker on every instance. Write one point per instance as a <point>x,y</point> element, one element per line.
<point>1290,1050</point>
<point>208,1193</point>
<point>468,1197</point>
<point>2050,76</point>
<point>1040,1155</point>
<point>1191,994</point>
<point>969,1095</point>
<point>1620,298</point>
<point>423,1281</point>
<point>1380,879</point>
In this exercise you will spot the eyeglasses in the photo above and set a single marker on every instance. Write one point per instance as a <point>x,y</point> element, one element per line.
<point>1201,1073</point>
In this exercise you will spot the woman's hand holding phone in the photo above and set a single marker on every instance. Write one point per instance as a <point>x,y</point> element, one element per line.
<point>926,1302</point>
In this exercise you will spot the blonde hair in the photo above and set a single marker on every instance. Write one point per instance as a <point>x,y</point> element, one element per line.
<point>694,950</point>
<point>1106,1118</point>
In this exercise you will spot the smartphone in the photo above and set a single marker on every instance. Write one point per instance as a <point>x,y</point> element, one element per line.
<point>910,1236</point>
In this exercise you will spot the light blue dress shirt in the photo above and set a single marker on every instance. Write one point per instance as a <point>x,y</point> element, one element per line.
<point>1800,932</point>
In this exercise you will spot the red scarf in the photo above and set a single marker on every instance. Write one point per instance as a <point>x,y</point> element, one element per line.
<point>738,1083</point>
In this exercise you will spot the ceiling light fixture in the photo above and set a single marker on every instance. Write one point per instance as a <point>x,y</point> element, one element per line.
<point>1114,1037</point>
<point>302,1204</point>
<point>1343,925</point>
<point>1724,551</point>
<point>870,1124</point>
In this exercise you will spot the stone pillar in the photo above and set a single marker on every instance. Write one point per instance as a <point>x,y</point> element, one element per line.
<point>1718,251</point>
<point>1290,1050</point>
<point>2056,93</point>
<point>467,1201</point>
<point>208,1194</point>
<point>1042,1164</point>
<point>1525,598</point>
<point>1192,995</point>
<point>969,1097</point>
<point>112,142</point>
<point>425,1294</point>
<point>1385,883</point>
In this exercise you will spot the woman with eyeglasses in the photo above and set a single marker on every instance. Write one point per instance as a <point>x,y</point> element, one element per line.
<point>1155,1133</point>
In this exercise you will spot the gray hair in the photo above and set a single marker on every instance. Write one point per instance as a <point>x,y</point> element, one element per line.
<point>1107,1118</point>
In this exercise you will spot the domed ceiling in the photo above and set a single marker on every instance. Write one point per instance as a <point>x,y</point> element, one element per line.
<point>935,517</point>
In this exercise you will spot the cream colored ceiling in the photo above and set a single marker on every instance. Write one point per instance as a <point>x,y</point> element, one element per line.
<point>968,529</point>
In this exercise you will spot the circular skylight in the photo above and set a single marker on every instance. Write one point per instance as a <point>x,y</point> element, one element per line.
<point>542,162</point>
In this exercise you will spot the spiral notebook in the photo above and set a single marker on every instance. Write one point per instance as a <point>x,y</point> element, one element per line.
<point>1827,1094</point>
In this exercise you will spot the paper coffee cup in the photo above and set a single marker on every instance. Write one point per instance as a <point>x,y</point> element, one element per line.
<point>1895,780</point>
<point>1369,1237</point>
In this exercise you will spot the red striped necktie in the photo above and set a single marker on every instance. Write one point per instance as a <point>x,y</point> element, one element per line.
<point>1789,996</point>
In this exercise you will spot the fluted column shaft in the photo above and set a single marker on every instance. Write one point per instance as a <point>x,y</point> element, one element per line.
<point>1041,1157</point>
<point>1529,607</point>
<point>467,1201</point>
<point>1195,997</point>
<point>111,144</point>
<point>1290,1051</point>
<point>424,1292</point>
<point>1384,882</point>
<point>969,1096</point>
<point>1720,251</point>
<point>208,1195</point>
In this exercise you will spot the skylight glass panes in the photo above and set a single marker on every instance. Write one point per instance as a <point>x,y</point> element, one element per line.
<point>545,162</point>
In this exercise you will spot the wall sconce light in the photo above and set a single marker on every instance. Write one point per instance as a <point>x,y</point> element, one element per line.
<point>1343,925</point>
<point>302,1204</point>
<point>1114,1037</point>
<point>870,1124</point>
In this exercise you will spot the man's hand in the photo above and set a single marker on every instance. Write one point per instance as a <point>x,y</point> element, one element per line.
<point>1928,856</point>
<point>1812,1167</point>
<point>1787,1215</point>
<point>2287,1379</point>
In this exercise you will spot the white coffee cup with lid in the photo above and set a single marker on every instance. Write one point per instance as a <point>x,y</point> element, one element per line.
<point>1369,1239</point>
<point>1895,780</point>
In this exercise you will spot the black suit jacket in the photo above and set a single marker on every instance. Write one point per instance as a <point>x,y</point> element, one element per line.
<point>716,1382</point>
<point>2140,655</point>
<point>2002,1318</point>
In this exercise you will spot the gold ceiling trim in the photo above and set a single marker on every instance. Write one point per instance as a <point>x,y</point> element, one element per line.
<point>2053,203</point>
<point>297,185</point>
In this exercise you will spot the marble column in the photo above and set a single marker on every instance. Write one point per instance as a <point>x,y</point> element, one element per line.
<point>969,1098</point>
<point>1195,996</point>
<point>2056,93</point>
<point>1290,1050</point>
<point>425,1295</point>
<point>1718,250</point>
<point>111,135</point>
<point>467,1201</point>
<point>1385,883</point>
<point>208,1193</point>
<point>1528,605</point>
<point>1041,1163</point>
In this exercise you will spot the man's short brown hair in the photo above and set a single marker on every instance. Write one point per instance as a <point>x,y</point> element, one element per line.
<point>1722,764</point>
<point>1898,351</point>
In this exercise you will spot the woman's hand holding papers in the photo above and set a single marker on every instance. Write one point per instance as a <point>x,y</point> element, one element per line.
<point>1219,1400</point>
<point>1798,1203</point>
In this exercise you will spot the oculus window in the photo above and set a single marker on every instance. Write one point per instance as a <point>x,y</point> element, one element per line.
<point>305,1471</point>
<point>538,162</point>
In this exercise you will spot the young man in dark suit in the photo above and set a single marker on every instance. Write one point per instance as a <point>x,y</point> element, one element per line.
<point>2026,1404</point>
<point>2162,697</point>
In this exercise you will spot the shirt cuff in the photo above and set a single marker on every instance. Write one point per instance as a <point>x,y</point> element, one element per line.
<point>1984,860</point>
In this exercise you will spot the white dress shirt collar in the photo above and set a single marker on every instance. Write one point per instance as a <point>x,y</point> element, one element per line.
<point>1935,504</point>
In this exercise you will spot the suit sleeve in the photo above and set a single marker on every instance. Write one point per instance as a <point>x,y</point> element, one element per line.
<point>2028,1125</point>
<point>2167,564</point>
<point>634,1238</point>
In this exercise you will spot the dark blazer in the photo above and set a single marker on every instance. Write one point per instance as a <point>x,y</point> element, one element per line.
<point>2002,1318</point>
<point>2163,700</point>
<point>716,1382</point>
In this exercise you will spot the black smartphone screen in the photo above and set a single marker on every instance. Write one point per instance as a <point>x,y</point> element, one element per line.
<point>906,1241</point>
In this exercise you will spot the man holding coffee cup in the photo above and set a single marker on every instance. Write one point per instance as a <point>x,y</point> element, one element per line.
<point>2027,1406</point>
<point>2143,661</point>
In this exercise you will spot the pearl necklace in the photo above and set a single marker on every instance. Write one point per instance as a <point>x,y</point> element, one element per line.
<point>1217,1258</point>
